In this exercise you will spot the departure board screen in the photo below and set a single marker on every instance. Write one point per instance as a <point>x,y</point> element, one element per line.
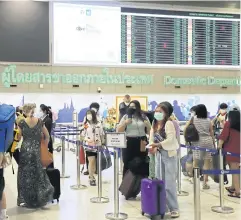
<point>160,37</point>
<point>115,35</point>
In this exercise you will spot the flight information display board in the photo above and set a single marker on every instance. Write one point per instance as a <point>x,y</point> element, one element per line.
<point>108,35</point>
<point>160,37</point>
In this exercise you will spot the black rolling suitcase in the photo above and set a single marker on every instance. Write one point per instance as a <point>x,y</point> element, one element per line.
<point>131,185</point>
<point>54,177</point>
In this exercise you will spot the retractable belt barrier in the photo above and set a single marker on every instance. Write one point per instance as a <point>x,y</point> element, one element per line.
<point>221,208</point>
<point>212,151</point>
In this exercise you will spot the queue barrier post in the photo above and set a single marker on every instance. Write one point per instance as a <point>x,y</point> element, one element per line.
<point>99,199</point>
<point>179,177</point>
<point>78,186</point>
<point>68,130</point>
<point>221,208</point>
<point>121,162</point>
<point>120,139</point>
<point>196,189</point>
<point>75,122</point>
<point>63,175</point>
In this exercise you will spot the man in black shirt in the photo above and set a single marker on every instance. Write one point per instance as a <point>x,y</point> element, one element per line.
<point>124,106</point>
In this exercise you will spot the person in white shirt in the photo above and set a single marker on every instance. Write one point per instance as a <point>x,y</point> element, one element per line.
<point>95,107</point>
<point>164,143</point>
<point>93,136</point>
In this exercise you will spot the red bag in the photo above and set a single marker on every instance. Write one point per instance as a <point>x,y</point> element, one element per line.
<point>81,155</point>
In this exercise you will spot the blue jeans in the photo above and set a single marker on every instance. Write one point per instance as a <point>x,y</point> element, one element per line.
<point>166,169</point>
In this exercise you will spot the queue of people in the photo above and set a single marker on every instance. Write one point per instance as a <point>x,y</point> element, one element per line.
<point>161,134</point>
<point>222,132</point>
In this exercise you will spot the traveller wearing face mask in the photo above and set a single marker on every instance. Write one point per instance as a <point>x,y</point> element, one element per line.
<point>123,107</point>
<point>46,116</point>
<point>94,136</point>
<point>136,125</point>
<point>95,107</point>
<point>163,139</point>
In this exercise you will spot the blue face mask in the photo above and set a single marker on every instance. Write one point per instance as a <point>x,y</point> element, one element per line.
<point>159,116</point>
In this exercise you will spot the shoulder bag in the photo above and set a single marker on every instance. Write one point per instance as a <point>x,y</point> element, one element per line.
<point>46,156</point>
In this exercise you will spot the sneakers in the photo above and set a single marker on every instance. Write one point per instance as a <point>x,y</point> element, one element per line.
<point>175,214</point>
<point>92,181</point>
<point>6,217</point>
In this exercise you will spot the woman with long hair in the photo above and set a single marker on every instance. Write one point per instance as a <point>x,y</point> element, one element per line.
<point>45,115</point>
<point>136,125</point>
<point>163,139</point>
<point>93,136</point>
<point>206,140</point>
<point>34,187</point>
<point>229,140</point>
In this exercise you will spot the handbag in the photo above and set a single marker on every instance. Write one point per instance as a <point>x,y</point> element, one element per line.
<point>143,141</point>
<point>143,145</point>
<point>106,162</point>
<point>46,156</point>
<point>191,133</point>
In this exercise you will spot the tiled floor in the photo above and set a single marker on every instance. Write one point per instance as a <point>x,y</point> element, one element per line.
<point>76,205</point>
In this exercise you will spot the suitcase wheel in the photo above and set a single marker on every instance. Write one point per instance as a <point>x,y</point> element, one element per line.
<point>162,216</point>
<point>57,200</point>
<point>142,213</point>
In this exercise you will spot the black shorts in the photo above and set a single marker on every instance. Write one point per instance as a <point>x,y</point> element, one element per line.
<point>91,154</point>
<point>2,183</point>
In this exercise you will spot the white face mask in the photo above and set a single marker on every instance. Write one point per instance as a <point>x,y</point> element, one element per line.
<point>223,111</point>
<point>94,109</point>
<point>89,117</point>
<point>193,114</point>
<point>41,114</point>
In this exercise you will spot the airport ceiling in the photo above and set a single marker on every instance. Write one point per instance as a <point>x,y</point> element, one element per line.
<point>203,3</point>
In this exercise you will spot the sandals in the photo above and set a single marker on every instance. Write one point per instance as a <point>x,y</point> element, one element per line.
<point>230,189</point>
<point>234,195</point>
<point>206,186</point>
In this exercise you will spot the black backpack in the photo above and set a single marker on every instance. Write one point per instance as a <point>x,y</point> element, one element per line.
<point>191,133</point>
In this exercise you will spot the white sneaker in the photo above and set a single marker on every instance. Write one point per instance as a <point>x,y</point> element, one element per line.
<point>191,180</point>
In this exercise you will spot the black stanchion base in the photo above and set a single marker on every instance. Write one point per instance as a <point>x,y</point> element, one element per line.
<point>118,216</point>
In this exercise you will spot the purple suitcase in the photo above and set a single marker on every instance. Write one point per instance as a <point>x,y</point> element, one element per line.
<point>153,197</point>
